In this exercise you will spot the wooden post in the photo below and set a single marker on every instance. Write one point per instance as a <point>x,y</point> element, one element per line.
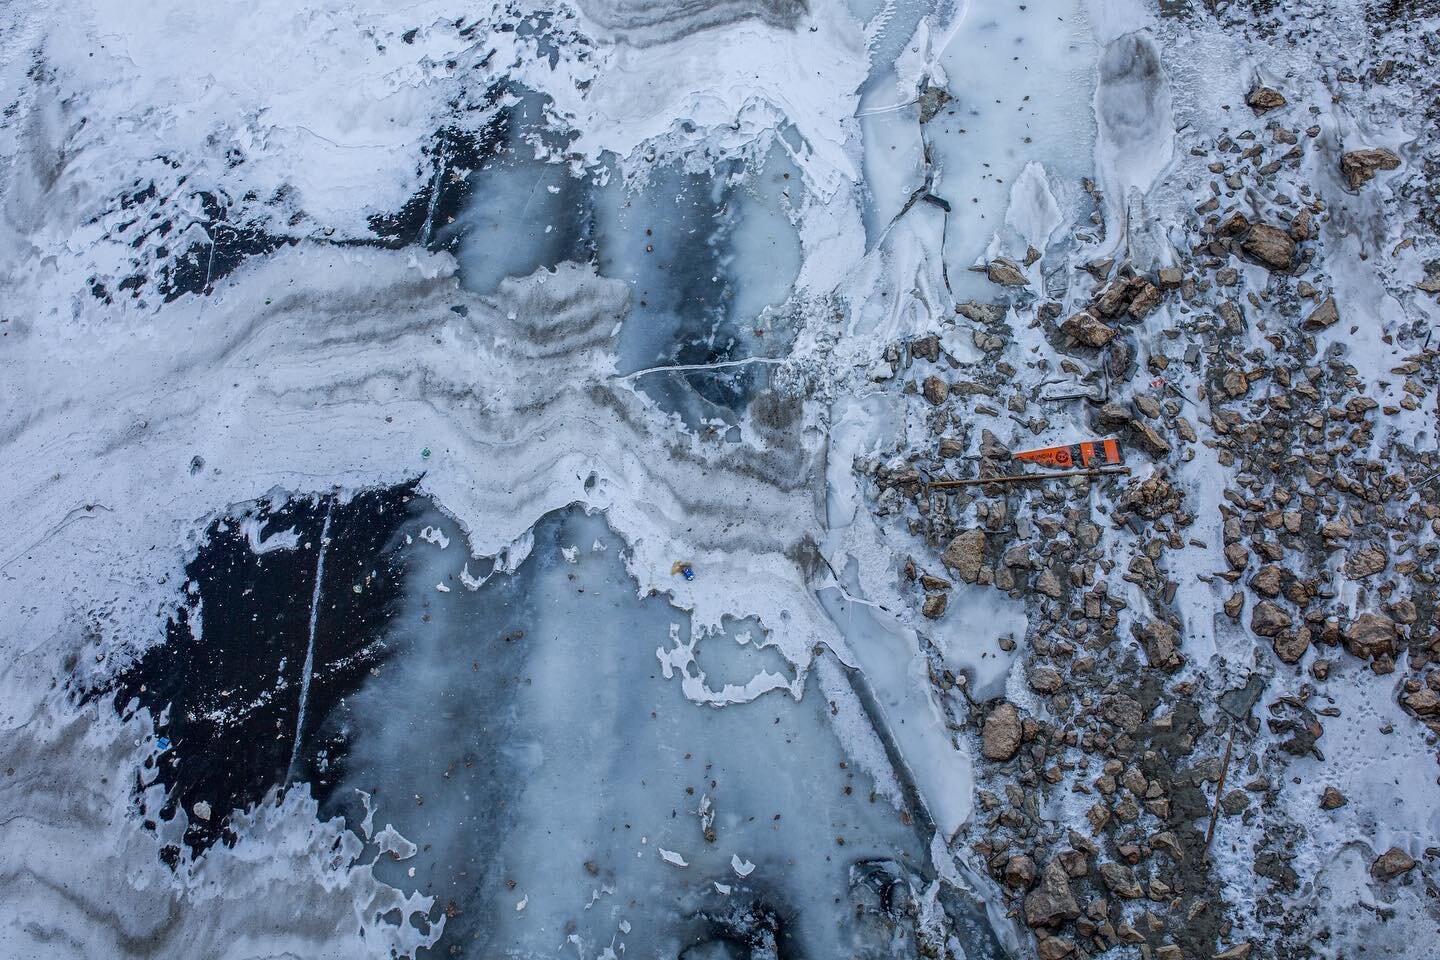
<point>1025,477</point>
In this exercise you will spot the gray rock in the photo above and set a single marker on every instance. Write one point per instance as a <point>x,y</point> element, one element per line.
<point>1123,711</point>
<point>1120,881</point>
<point>1051,903</point>
<point>986,313</point>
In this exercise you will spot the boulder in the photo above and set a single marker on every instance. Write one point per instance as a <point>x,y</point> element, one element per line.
<point>1120,881</point>
<point>1051,903</point>
<point>1269,246</point>
<point>1264,99</point>
<point>1392,863</point>
<point>935,390</point>
<point>1005,272</point>
<point>935,604</point>
<point>1162,645</point>
<point>1268,618</point>
<point>1358,166</point>
<point>1371,635</point>
<point>1086,328</point>
<point>966,554</point>
<point>1000,735</point>
<point>1020,872</point>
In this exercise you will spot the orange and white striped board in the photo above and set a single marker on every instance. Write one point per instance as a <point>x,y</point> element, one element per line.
<point>1090,453</point>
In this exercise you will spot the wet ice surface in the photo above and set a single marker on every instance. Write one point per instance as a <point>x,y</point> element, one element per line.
<point>562,788</point>
<point>710,254</point>
<point>523,745</point>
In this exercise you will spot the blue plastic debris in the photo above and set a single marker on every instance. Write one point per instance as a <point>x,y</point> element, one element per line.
<point>163,743</point>
<point>425,453</point>
<point>686,572</point>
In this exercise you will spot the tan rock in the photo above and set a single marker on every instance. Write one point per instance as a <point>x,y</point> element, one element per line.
<point>1005,272</point>
<point>1264,99</point>
<point>1020,872</point>
<point>1358,166</point>
<point>1366,562</point>
<point>1392,863</point>
<point>1290,645</point>
<point>1054,948</point>
<point>1120,881</point>
<point>1088,329</point>
<point>1162,645</point>
<point>1269,580</point>
<point>1268,618</point>
<point>1325,314</point>
<point>935,390</point>
<point>1269,246</point>
<point>1045,680</point>
<point>935,604</point>
<point>966,554</point>
<point>1371,635</point>
<point>1000,735</point>
<point>1052,902</point>
<point>1146,297</point>
<point>1423,702</point>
